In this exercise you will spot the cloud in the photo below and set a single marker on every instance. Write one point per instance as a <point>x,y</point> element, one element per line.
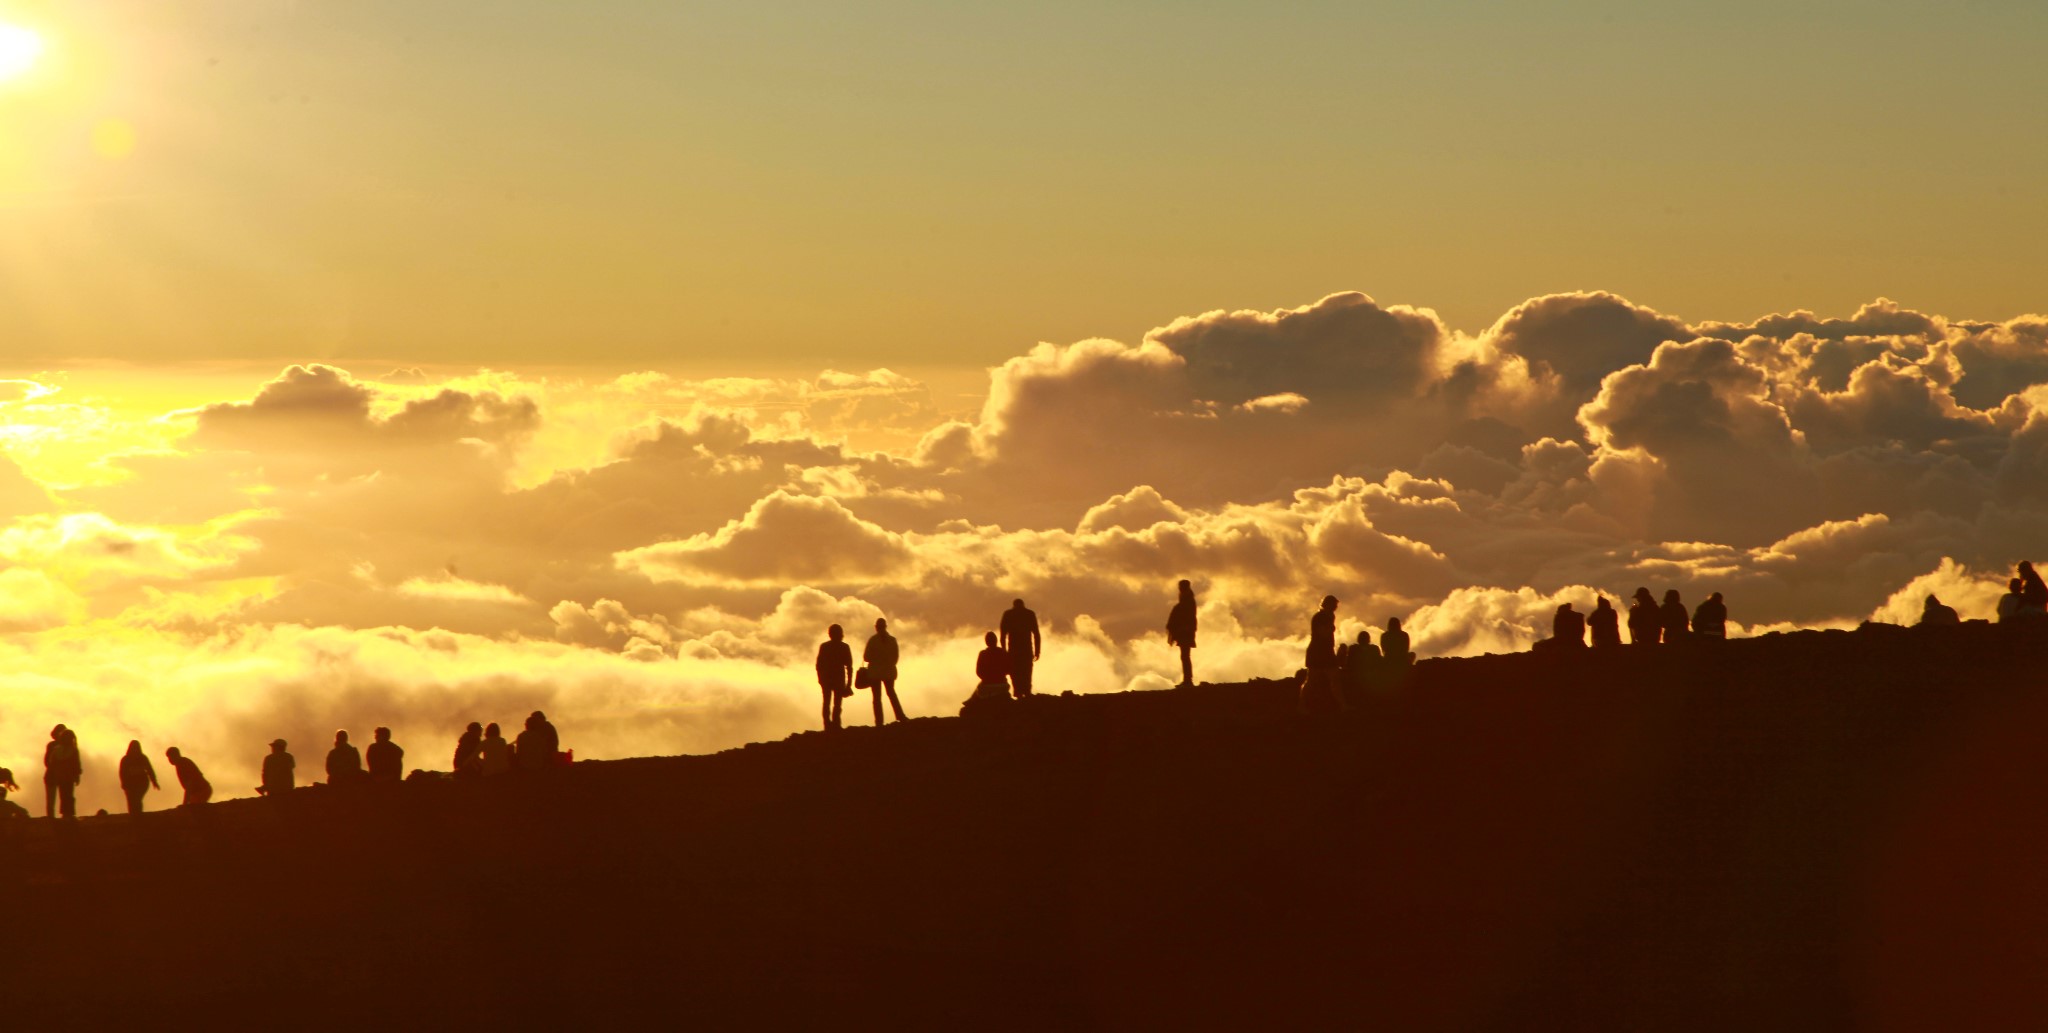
<point>657,557</point>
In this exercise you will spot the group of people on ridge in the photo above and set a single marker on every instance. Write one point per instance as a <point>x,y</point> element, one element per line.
<point>1338,673</point>
<point>480,751</point>
<point>1649,622</point>
<point>2025,599</point>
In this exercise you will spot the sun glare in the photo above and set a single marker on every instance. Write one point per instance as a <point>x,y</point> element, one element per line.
<point>19,49</point>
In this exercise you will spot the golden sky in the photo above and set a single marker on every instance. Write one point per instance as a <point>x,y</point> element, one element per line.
<point>410,364</point>
<point>924,184</point>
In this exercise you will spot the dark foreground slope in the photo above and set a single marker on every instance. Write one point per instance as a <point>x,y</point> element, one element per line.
<point>1809,832</point>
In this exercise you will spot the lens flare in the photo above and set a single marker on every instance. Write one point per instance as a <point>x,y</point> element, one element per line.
<point>20,48</point>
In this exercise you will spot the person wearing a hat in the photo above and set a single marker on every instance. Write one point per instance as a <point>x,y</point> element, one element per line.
<point>278,771</point>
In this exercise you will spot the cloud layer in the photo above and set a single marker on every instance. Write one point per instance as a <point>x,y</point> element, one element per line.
<point>653,559</point>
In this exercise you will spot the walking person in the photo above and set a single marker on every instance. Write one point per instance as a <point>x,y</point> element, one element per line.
<point>1180,631</point>
<point>878,658</point>
<point>1019,628</point>
<point>138,776</point>
<point>835,673</point>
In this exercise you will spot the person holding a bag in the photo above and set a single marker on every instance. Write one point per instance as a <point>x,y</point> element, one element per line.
<point>878,670</point>
<point>835,673</point>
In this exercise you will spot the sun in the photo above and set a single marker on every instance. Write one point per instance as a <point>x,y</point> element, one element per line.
<point>19,50</point>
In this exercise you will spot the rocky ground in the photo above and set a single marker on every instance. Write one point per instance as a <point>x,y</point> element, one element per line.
<point>1816,831</point>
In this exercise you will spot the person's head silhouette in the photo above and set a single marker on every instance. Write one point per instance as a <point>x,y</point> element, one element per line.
<point>58,732</point>
<point>2014,586</point>
<point>1393,624</point>
<point>134,748</point>
<point>1671,595</point>
<point>835,632</point>
<point>1187,588</point>
<point>1016,604</point>
<point>277,745</point>
<point>535,719</point>
<point>990,638</point>
<point>1364,636</point>
<point>491,731</point>
<point>341,738</point>
<point>381,735</point>
<point>474,729</point>
<point>881,624</point>
<point>1329,602</point>
<point>173,754</point>
<point>1603,604</point>
<point>1643,596</point>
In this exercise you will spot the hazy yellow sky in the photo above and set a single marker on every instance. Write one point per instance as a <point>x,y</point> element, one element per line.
<point>677,184</point>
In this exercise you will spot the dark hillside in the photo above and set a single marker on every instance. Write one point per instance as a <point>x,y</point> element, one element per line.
<point>1807,832</point>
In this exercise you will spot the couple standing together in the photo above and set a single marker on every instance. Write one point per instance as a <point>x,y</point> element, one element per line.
<point>836,679</point>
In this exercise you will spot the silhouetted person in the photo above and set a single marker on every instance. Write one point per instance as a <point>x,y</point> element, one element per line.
<point>344,763</point>
<point>1645,623</point>
<point>9,809</point>
<point>137,775</point>
<point>1360,661</point>
<point>538,747</point>
<point>879,655</point>
<point>991,678</point>
<point>2009,604</point>
<point>835,673</point>
<point>1020,638</point>
<point>469,757</point>
<point>1935,614</point>
<point>1674,621</point>
<point>494,754</point>
<point>280,771</point>
<point>61,771</point>
<point>1710,619</point>
<point>1321,658</point>
<point>1568,628</point>
<point>1394,644</point>
<point>1180,631</point>
<point>386,759</point>
<point>2033,591</point>
<point>1605,623</point>
<point>197,789</point>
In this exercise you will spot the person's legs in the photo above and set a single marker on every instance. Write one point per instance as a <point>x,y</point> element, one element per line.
<point>67,798</point>
<point>825,714</point>
<point>49,798</point>
<point>838,709</point>
<point>1187,666</point>
<point>876,693</point>
<point>890,687</point>
<point>1020,674</point>
<point>134,801</point>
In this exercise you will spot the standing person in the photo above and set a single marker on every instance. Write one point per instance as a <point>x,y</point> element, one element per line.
<point>537,745</point>
<point>280,771</point>
<point>1180,631</point>
<point>138,776</point>
<point>197,789</point>
<point>1645,626</point>
<point>1710,620</point>
<point>344,763</point>
<point>469,752</point>
<point>494,754</point>
<point>835,673</point>
<point>1605,623</point>
<point>880,657</point>
<point>386,758</point>
<point>1321,658</point>
<point>61,771</point>
<point>1672,619</point>
<point>1020,639</point>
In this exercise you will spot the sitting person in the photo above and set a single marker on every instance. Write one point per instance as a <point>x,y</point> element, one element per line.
<point>992,679</point>
<point>1567,630</point>
<point>1394,644</point>
<point>386,759</point>
<point>1937,614</point>
<point>2033,591</point>
<point>1605,623</point>
<point>2009,604</point>
<point>1360,661</point>
<point>1645,624</point>
<point>280,770</point>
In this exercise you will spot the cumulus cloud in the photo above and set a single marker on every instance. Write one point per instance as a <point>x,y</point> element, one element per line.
<point>655,558</point>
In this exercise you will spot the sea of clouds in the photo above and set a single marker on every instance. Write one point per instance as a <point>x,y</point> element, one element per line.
<point>653,560</point>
